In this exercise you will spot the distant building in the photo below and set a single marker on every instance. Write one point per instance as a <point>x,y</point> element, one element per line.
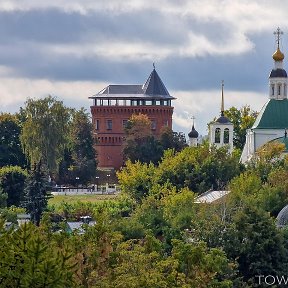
<point>193,136</point>
<point>272,121</point>
<point>221,130</point>
<point>115,104</point>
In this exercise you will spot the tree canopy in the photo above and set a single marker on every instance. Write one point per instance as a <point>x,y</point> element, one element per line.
<point>44,133</point>
<point>11,153</point>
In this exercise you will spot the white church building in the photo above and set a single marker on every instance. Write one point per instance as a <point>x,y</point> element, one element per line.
<point>272,120</point>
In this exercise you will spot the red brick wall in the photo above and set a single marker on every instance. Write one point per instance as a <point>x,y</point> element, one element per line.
<point>109,146</point>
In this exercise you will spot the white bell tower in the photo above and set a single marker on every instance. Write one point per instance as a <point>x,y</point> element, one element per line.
<point>221,131</point>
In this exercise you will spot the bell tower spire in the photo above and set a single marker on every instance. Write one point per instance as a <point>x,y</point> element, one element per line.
<point>278,76</point>
<point>222,98</point>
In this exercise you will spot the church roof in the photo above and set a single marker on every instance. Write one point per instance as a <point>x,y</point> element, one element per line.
<point>223,120</point>
<point>273,115</point>
<point>193,133</point>
<point>153,88</point>
<point>275,73</point>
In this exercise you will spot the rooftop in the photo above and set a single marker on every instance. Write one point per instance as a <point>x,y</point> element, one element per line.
<point>153,88</point>
<point>273,115</point>
<point>211,196</point>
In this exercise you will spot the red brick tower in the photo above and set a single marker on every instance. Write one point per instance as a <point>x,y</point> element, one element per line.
<point>115,104</point>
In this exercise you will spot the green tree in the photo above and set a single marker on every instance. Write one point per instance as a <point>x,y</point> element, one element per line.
<point>198,168</point>
<point>12,179</point>
<point>140,144</point>
<point>242,120</point>
<point>3,198</point>
<point>11,153</point>
<point>29,259</point>
<point>136,179</point>
<point>172,140</point>
<point>36,193</point>
<point>44,133</point>
<point>261,249</point>
<point>83,147</point>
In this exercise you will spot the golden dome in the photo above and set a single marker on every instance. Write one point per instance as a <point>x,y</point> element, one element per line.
<point>278,55</point>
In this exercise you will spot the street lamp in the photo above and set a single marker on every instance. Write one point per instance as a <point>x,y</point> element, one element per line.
<point>77,178</point>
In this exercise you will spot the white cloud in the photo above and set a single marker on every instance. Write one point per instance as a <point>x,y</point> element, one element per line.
<point>239,18</point>
<point>205,105</point>
<point>15,91</point>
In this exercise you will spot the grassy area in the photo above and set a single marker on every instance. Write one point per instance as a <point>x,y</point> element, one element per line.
<point>71,199</point>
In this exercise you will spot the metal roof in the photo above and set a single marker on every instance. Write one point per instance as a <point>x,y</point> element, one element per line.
<point>211,196</point>
<point>152,89</point>
<point>273,115</point>
<point>282,218</point>
<point>278,73</point>
<point>154,85</point>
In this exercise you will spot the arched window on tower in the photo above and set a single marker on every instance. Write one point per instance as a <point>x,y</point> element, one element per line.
<point>279,89</point>
<point>273,88</point>
<point>226,136</point>
<point>217,135</point>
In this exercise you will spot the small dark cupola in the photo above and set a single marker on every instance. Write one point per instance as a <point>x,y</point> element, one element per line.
<point>193,135</point>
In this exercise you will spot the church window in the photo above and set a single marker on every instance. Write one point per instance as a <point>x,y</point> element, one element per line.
<point>279,89</point>
<point>217,135</point>
<point>226,136</point>
<point>273,88</point>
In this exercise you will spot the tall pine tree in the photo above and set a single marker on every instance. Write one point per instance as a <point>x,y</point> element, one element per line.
<point>35,193</point>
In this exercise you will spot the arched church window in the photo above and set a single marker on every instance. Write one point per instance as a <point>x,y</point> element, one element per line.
<point>279,89</point>
<point>226,136</point>
<point>273,88</point>
<point>217,135</point>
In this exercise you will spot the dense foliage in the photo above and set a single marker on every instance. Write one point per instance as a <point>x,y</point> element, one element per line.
<point>198,168</point>
<point>44,132</point>
<point>155,233</point>
<point>142,145</point>
<point>11,153</point>
<point>12,179</point>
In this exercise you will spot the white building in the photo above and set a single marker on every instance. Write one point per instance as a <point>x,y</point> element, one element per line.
<point>221,131</point>
<point>272,120</point>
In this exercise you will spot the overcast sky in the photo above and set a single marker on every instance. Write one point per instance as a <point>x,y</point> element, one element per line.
<point>74,48</point>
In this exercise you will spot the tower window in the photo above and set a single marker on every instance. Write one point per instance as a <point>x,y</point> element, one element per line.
<point>97,124</point>
<point>279,89</point>
<point>226,135</point>
<point>109,124</point>
<point>124,123</point>
<point>273,88</point>
<point>217,135</point>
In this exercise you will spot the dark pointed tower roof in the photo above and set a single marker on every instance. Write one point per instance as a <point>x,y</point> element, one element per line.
<point>154,85</point>
<point>193,133</point>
